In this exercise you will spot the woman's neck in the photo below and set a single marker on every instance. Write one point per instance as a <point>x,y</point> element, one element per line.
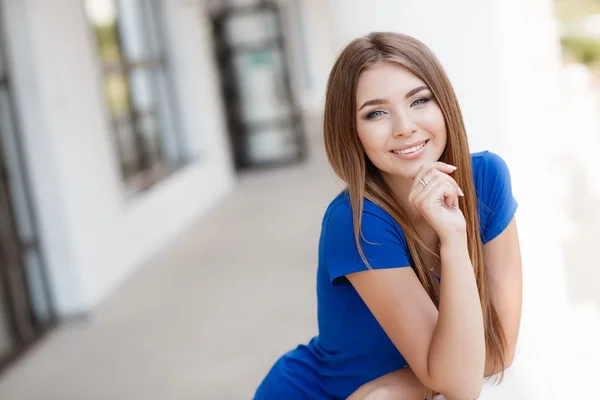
<point>401,187</point>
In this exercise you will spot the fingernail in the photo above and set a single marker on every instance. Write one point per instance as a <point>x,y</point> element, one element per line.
<point>461,194</point>
<point>452,167</point>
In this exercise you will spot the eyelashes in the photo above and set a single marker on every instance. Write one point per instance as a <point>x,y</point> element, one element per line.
<point>416,103</point>
<point>374,114</point>
<point>420,101</point>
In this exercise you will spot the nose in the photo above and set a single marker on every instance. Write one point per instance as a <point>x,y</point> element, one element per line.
<point>404,125</point>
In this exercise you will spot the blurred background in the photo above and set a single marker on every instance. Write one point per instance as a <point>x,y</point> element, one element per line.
<point>163,181</point>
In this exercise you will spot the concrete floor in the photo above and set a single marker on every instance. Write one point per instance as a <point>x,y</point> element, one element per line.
<point>207,317</point>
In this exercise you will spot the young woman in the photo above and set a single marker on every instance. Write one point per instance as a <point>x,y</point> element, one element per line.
<point>419,276</point>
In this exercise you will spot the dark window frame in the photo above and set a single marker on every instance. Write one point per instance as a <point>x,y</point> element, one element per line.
<point>25,326</point>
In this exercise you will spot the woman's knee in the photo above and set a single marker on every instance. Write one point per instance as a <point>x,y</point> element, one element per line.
<point>384,392</point>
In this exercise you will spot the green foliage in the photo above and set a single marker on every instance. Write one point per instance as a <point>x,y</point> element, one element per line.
<point>108,42</point>
<point>582,49</point>
<point>115,82</point>
<point>572,10</point>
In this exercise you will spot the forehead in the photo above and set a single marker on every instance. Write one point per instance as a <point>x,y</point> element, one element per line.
<point>386,80</point>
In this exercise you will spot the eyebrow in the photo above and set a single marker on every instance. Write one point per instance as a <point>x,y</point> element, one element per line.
<point>410,93</point>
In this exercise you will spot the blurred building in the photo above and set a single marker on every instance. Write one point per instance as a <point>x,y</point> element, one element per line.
<point>123,121</point>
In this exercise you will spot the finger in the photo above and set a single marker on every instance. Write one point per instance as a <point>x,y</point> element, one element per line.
<point>440,166</point>
<point>426,168</point>
<point>417,187</point>
<point>452,201</point>
<point>438,189</point>
<point>426,173</point>
<point>421,186</point>
<point>450,196</point>
<point>435,172</point>
<point>454,184</point>
<point>422,197</point>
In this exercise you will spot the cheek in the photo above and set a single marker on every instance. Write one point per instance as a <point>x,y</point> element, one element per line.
<point>434,121</point>
<point>374,133</point>
<point>373,142</point>
<point>367,136</point>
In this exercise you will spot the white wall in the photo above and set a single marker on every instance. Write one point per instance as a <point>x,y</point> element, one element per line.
<point>92,235</point>
<point>311,42</point>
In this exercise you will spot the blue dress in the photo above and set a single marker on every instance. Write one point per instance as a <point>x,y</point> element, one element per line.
<point>352,348</point>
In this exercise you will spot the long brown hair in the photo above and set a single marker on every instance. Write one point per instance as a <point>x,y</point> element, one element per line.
<point>363,180</point>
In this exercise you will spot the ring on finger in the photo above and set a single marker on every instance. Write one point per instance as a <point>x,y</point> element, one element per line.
<point>423,182</point>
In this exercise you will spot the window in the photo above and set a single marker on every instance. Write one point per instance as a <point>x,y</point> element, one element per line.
<point>137,88</point>
<point>25,305</point>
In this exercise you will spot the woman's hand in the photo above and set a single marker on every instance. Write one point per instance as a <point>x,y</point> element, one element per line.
<point>435,195</point>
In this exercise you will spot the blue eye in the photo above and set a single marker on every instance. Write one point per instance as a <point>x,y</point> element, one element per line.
<point>420,101</point>
<point>375,114</point>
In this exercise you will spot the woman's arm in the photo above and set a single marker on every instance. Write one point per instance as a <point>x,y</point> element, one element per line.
<point>503,265</point>
<point>445,349</point>
<point>457,351</point>
<point>398,385</point>
<point>502,257</point>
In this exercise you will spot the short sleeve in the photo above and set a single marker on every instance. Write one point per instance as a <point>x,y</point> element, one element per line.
<point>499,204</point>
<point>384,247</point>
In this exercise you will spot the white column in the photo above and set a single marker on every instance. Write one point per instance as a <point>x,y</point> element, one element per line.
<point>533,111</point>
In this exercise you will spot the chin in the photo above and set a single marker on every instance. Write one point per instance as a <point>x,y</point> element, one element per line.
<point>412,171</point>
<point>411,174</point>
<point>408,174</point>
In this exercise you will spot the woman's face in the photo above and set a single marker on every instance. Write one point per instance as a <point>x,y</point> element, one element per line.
<point>398,122</point>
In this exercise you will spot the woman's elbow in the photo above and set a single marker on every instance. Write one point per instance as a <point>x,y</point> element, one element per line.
<point>463,395</point>
<point>466,391</point>
<point>510,358</point>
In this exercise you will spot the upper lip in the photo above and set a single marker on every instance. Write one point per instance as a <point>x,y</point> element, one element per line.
<point>408,146</point>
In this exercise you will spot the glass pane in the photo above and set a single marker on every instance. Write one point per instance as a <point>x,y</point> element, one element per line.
<point>260,76</point>
<point>2,70</point>
<point>147,123</point>
<point>117,95</point>
<point>102,14</point>
<point>127,148</point>
<point>39,298</point>
<point>151,15</point>
<point>271,144</point>
<point>6,338</point>
<point>170,137</point>
<point>10,263</point>
<point>134,28</point>
<point>17,189</point>
<point>143,94</point>
<point>251,28</point>
<point>147,126</point>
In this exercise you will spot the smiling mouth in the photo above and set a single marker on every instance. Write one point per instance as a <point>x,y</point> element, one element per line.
<point>411,150</point>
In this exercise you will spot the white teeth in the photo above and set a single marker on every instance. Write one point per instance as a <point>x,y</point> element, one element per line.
<point>411,150</point>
